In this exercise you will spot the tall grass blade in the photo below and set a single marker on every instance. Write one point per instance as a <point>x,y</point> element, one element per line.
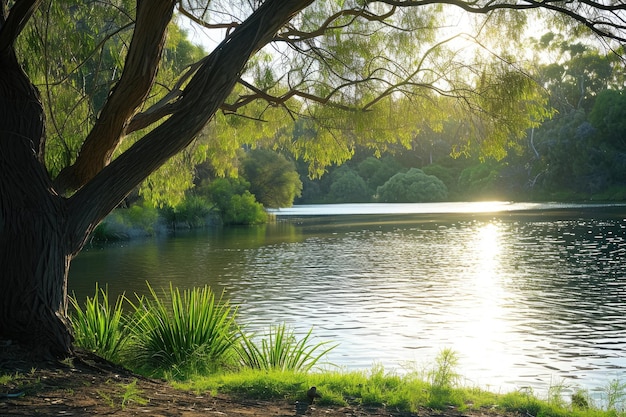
<point>98,326</point>
<point>184,332</point>
<point>281,350</point>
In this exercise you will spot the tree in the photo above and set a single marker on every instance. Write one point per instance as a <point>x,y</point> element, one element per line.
<point>46,217</point>
<point>273,179</point>
<point>348,187</point>
<point>413,186</point>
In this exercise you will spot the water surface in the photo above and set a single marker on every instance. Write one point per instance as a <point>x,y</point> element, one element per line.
<point>528,295</point>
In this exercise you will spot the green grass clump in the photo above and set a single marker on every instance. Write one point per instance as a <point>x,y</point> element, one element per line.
<point>98,326</point>
<point>281,350</point>
<point>183,332</point>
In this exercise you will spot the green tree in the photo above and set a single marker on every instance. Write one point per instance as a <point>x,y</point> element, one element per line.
<point>413,186</point>
<point>608,116</point>
<point>369,73</point>
<point>376,171</point>
<point>273,179</point>
<point>348,187</point>
<point>235,202</point>
<point>480,180</point>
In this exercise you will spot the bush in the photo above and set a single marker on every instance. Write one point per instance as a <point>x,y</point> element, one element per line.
<point>414,186</point>
<point>193,211</point>
<point>273,179</point>
<point>348,187</point>
<point>244,209</point>
<point>124,223</point>
<point>236,204</point>
<point>480,181</point>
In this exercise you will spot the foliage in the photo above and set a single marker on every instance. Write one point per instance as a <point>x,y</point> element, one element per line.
<point>348,187</point>
<point>274,181</point>
<point>480,180</point>
<point>182,331</point>
<point>124,223</point>
<point>281,351</point>
<point>615,395</point>
<point>448,175</point>
<point>244,209</point>
<point>376,171</point>
<point>193,211</point>
<point>608,116</point>
<point>236,204</point>
<point>414,186</point>
<point>100,327</point>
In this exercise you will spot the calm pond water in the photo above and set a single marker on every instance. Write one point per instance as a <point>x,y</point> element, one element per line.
<point>528,295</point>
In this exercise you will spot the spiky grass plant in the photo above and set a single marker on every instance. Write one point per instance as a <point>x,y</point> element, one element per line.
<point>99,326</point>
<point>183,332</point>
<point>281,350</point>
<point>443,378</point>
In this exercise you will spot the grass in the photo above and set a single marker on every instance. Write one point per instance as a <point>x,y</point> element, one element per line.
<point>192,338</point>
<point>377,387</point>
<point>183,331</point>
<point>99,326</point>
<point>128,393</point>
<point>281,350</point>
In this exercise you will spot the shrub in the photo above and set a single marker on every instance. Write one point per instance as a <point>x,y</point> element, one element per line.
<point>413,186</point>
<point>236,204</point>
<point>193,211</point>
<point>348,187</point>
<point>244,209</point>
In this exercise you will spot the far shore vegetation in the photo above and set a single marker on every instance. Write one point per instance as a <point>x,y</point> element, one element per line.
<point>193,339</point>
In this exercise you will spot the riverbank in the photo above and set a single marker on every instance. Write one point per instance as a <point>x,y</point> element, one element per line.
<point>89,386</point>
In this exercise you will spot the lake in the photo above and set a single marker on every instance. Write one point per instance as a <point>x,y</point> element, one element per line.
<point>529,295</point>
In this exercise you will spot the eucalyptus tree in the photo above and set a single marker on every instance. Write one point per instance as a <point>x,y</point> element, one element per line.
<point>343,64</point>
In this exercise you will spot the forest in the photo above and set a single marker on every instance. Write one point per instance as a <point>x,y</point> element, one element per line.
<point>576,153</point>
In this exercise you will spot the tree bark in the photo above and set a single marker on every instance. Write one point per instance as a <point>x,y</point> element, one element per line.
<point>33,256</point>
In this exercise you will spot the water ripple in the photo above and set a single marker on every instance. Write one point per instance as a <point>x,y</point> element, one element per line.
<point>525,300</point>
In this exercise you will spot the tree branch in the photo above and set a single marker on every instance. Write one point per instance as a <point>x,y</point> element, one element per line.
<point>135,83</point>
<point>594,23</point>
<point>19,15</point>
<point>201,98</point>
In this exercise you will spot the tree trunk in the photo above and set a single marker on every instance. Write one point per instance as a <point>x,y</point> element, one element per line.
<point>41,231</point>
<point>33,256</point>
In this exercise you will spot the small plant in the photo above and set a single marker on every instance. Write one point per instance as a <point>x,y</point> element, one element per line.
<point>444,374</point>
<point>443,378</point>
<point>99,327</point>
<point>129,394</point>
<point>180,332</point>
<point>581,400</point>
<point>615,392</point>
<point>132,394</point>
<point>281,351</point>
<point>555,393</point>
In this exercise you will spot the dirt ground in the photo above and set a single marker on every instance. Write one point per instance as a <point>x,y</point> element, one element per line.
<point>89,386</point>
